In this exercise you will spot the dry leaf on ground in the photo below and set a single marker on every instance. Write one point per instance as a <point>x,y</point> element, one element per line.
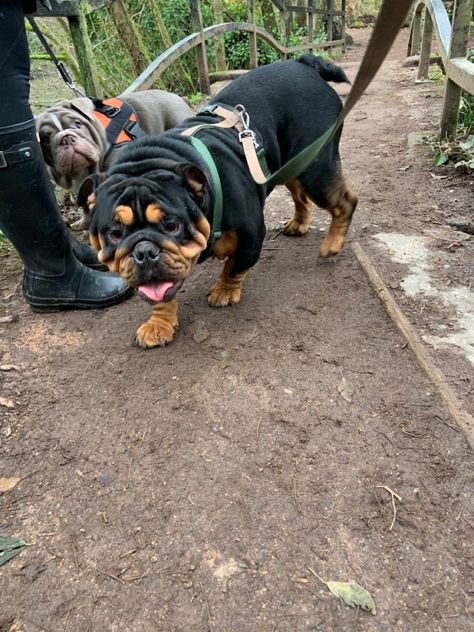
<point>7,403</point>
<point>346,390</point>
<point>6,484</point>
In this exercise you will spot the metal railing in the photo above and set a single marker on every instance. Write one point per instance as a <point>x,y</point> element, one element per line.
<point>172,54</point>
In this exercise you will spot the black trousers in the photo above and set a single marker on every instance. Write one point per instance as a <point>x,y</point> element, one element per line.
<point>15,111</point>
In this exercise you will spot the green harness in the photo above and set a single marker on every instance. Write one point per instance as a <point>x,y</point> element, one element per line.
<point>390,20</point>
<point>289,171</point>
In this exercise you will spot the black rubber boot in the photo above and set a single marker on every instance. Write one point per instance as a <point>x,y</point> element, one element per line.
<point>86,254</point>
<point>53,278</point>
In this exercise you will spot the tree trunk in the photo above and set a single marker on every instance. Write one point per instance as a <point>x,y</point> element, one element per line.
<point>270,22</point>
<point>219,47</point>
<point>129,35</point>
<point>167,43</point>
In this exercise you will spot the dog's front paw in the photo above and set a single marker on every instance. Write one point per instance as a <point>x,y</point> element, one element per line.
<point>221,296</point>
<point>159,330</point>
<point>150,335</point>
<point>331,245</point>
<point>294,228</point>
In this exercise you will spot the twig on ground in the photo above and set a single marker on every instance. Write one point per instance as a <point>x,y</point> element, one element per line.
<point>295,497</point>
<point>317,576</point>
<point>462,418</point>
<point>111,575</point>
<point>129,473</point>
<point>258,428</point>
<point>393,495</point>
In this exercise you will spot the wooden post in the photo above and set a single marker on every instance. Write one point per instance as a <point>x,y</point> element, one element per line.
<point>343,24</point>
<point>252,37</point>
<point>310,25</point>
<point>459,39</point>
<point>330,10</point>
<point>283,31</point>
<point>129,35</point>
<point>288,24</point>
<point>415,34</point>
<point>85,55</point>
<point>219,46</point>
<point>201,56</point>
<point>424,65</point>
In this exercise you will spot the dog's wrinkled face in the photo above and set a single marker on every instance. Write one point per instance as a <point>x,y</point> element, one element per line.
<point>71,140</point>
<point>149,228</point>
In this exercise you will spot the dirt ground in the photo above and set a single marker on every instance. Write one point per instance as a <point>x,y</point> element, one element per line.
<point>192,488</point>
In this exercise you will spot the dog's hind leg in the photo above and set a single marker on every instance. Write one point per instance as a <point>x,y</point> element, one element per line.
<point>227,289</point>
<point>341,202</point>
<point>299,224</point>
<point>334,196</point>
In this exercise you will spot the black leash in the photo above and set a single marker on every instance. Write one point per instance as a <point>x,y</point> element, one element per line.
<point>59,65</point>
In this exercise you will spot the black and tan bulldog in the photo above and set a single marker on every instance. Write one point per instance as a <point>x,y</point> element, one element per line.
<point>74,142</point>
<point>151,214</point>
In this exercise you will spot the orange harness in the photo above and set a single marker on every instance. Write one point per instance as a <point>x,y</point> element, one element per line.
<point>119,121</point>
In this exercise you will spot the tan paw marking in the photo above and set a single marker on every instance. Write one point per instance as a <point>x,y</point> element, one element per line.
<point>294,228</point>
<point>219,296</point>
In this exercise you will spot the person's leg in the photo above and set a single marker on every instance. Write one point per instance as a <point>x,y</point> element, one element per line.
<point>29,217</point>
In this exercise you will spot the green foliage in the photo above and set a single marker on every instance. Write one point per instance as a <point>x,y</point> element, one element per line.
<point>237,44</point>
<point>115,67</point>
<point>460,151</point>
<point>116,71</point>
<point>466,107</point>
<point>194,98</point>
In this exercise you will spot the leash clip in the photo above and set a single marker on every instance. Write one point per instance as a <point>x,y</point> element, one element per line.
<point>243,115</point>
<point>245,120</point>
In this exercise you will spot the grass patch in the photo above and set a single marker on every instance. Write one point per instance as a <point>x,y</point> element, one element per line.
<point>9,259</point>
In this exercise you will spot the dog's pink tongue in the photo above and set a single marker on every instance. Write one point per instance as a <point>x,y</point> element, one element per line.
<point>155,290</point>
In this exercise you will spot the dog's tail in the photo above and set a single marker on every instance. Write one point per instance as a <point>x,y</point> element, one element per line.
<point>326,70</point>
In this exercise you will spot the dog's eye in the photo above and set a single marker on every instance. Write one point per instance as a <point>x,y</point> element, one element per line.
<point>114,235</point>
<point>78,124</point>
<point>170,227</point>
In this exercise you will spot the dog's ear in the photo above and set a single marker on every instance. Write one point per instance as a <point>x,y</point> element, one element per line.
<point>194,179</point>
<point>83,105</point>
<point>86,197</point>
<point>86,194</point>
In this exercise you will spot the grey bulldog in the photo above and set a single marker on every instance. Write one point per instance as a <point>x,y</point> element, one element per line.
<point>74,144</point>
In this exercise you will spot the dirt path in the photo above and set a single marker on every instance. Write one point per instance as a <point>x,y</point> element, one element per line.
<point>191,488</point>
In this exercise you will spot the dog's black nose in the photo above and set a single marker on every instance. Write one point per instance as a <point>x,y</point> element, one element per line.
<point>146,252</point>
<point>68,140</point>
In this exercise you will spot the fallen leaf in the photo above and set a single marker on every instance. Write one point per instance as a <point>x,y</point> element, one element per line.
<point>350,592</point>
<point>6,484</point>
<point>201,332</point>
<point>7,319</point>
<point>437,177</point>
<point>346,390</point>
<point>225,358</point>
<point>6,402</point>
<point>9,367</point>
<point>9,547</point>
<point>353,595</point>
